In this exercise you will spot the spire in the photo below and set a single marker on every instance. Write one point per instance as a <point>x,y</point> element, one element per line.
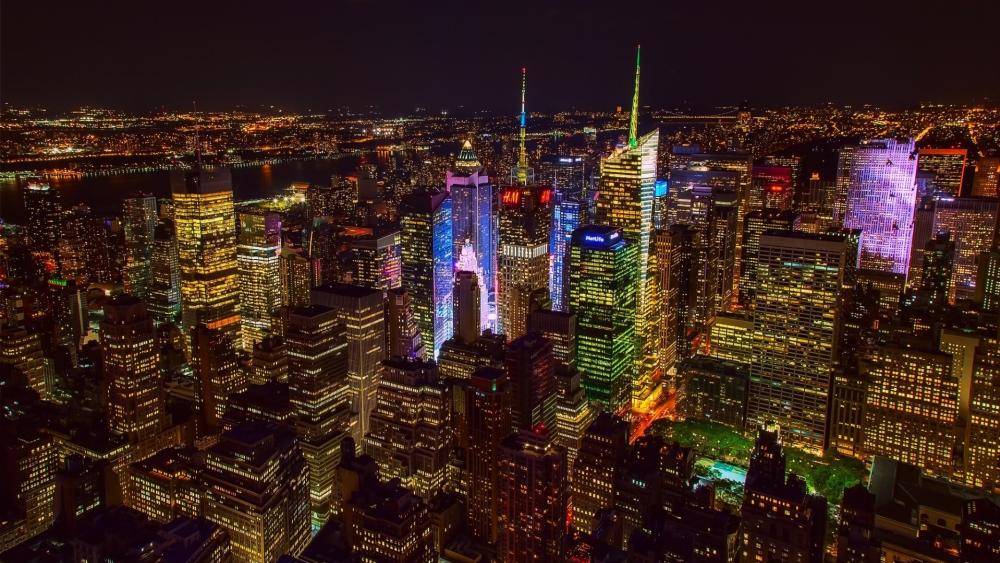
<point>467,157</point>
<point>522,160</point>
<point>633,124</point>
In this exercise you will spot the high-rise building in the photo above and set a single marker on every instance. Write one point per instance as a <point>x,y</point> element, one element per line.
<point>912,407</point>
<point>218,374</point>
<point>257,253</point>
<point>401,332</point>
<point>627,186</point>
<point>781,520</point>
<point>937,271</point>
<point>205,227</point>
<point>43,206</point>
<point>597,468</point>
<point>988,281</point>
<point>257,489</point>
<point>732,338</point>
<point>984,418</point>
<point>167,485</point>
<point>568,215</point>
<point>755,224</point>
<point>428,268</point>
<point>603,274</point>
<point>468,306</point>
<point>856,541</point>
<point>713,389</point>
<point>524,228</point>
<point>29,457</point>
<point>410,434</point>
<point>269,361</point>
<point>22,349</point>
<point>972,222</point>
<point>376,259</point>
<point>878,178</point>
<point>673,269</point>
<point>986,182</point>
<point>487,413</point>
<point>947,167</point>
<point>796,330</point>
<point>298,274</point>
<point>362,312</point>
<point>319,391</point>
<point>131,369</point>
<point>980,530</point>
<point>472,199</point>
<point>165,279</point>
<point>139,219</point>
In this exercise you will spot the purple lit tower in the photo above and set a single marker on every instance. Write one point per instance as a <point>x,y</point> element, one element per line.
<point>879,177</point>
<point>472,218</point>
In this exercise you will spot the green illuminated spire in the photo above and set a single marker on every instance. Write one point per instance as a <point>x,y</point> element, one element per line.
<point>522,160</point>
<point>633,124</point>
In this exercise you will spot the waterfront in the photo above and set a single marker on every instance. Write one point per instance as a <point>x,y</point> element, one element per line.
<point>104,193</point>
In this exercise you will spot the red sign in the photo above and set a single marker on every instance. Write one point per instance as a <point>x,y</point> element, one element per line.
<point>545,196</point>
<point>511,197</point>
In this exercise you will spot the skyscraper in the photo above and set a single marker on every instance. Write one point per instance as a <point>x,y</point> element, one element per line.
<point>139,219</point>
<point>257,259</point>
<point>22,349</point>
<point>206,247</point>
<point>376,259</point>
<point>878,177</point>
<point>165,282</point>
<point>567,216</point>
<point>468,306</point>
<point>218,373</point>
<point>362,312</point>
<point>627,189</point>
<point>131,369</point>
<point>986,182</point>
<point>796,331</point>
<point>596,470</point>
<point>472,199</point>
<point>319,391</point>
<point>410,434</point>
<point>984,418</point>
<point>428,246</point>
<point>487,412</point>
<point>947,166</point>
<point>755,224</point>
<point>298,274</point>
<point>257,489</point>
<point>603,274</point>
<point>525,218</point>
<point>43,205</point>
<point>402,333</point>
<point>972,222</point>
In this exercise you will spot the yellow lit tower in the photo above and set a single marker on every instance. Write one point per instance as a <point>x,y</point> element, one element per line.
<point>206,248</point>
<point>525,216</point>
<point>627,190</point>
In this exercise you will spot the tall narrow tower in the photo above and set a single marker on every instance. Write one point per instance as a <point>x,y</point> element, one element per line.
<point>625,201</point>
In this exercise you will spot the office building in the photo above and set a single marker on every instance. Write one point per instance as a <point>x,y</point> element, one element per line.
<point>986,181</point>
<point>131,368</point>
<point>712,389</point>
<point>597,468</point>
<point>796,332</point>
<point>878,178</point>
<point>257,254</point>
<point>602,266</point>
<point>22,349</point>
<point>139,219</point>
<point>167,485</point>
<point>947,166</point>
<point>257,489</point>
<point>983,449</point>
<point>319,391</point>
<point>755,224</point>
<point>856,542</point>
<point>471,310</point>
<point>401,332</point>
<point>472,198</point>
<point>428,250</point>
<point>971,221</point>
<point>165,277</point>
<point>488,422</point>
<point>410,434</point>
<point>43,205</point>
<point>376,259</point>
<point>732,338</point>
<point>362,312</point>
<point>269,361</point>
<point>523,254</point>
<point>298,274</point>
<point>218,374</point>
<point>568,215</point>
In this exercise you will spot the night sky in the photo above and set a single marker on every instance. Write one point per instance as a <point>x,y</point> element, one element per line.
<point>442,54</point>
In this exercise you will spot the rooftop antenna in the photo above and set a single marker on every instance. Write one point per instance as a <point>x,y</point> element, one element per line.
<point>522,161</point>
<point>633,125</point>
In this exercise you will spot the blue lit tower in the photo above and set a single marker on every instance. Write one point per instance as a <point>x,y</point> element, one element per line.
<point>567,216</point>
<point>427,247</point>
<point>472,217</point>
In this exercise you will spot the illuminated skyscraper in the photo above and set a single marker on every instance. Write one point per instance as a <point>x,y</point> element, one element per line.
<point>468,306</point>
<point>983,448</point>
<point>972,222</point>
<point>260,284</point>
<point>23,350</point>
<point>139,220</point>
<point>796,331</point>
<point>43,206</point>
<point>472,198</point>
<point>218,374</point>
<point>410,434</point>
<point>362,311</point>
<point>257,489</point>
<point>772,188</point>
<point>30,461</point>
<point>298,274</point>
<point>402,333</point>
<point>986,182</point>
<point>596,470</point>
<point>947,166</point>
<point>567,216</point>
<point>674,248</point>
<point>428,267</point>
<point>165,282</point>
<point>627,189</point>
<point>602,294</point>
<point>319,391</point>
<point>206,246</point>
<point>269,361</point>
<point>376,259</point>
<point>132,370</point>
<point>487,411</point>
<point>755,224</point>
<point>912,407</point>
<point>732,338</point>
<point>878,177</point>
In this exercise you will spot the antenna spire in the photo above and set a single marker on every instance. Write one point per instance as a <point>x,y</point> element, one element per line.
<point>633,124</point>
<point>522,160</point>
